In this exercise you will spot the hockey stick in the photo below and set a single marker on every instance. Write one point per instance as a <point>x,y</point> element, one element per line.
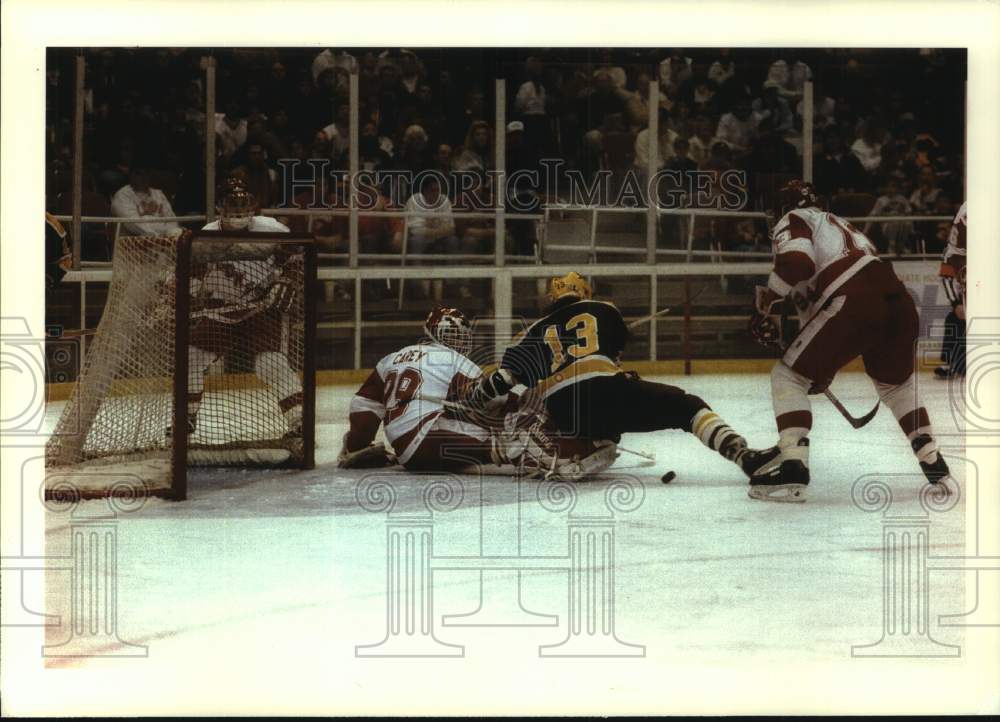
<point>857,423</point>
<point>640,454</point>
<point>668,309</point>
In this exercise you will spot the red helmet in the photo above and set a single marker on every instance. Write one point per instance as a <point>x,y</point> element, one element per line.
<point>795,194</point>
<point>450,327</point>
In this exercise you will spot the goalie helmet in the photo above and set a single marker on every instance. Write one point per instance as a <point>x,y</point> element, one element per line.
<point>238,206</point>
<point>571,285</point>
<point>795,194</point>
<point>450,327</point>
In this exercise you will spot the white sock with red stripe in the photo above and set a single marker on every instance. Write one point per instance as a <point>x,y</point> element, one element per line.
<point>902,399</point>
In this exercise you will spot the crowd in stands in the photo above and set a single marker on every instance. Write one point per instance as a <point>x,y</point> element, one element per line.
<point>889,129</point>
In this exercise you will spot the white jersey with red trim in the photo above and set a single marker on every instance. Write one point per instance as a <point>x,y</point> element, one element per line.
<point>406,390</point>
<point>815,252</point>
<point>235,282</point>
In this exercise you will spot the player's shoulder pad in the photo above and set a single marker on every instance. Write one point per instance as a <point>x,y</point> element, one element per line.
<point>794,224</point>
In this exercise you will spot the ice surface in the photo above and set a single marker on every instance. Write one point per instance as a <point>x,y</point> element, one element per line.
<point>276,577</point>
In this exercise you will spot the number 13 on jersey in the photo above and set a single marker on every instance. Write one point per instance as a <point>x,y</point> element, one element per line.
<point>585,344</point>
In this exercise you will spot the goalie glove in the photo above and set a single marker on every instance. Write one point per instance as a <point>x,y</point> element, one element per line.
<point>491,387</point>
<point>763,328</point>
<point>373,456</point>
<point>281,296</point>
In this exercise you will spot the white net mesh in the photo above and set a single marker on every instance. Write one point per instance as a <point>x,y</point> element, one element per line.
<point>245,356</point>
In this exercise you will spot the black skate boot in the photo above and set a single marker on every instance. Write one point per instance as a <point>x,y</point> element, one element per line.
<point>937,471</point>
<point>748,459</point>
<point>784,477</point>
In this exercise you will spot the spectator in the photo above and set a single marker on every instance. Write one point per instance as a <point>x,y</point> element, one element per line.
<point>260,179</point>
<point>637,103</point>
<point>329,60</point>
<point>836,170</point>
<point>699,90</point>
<point>596,109</point>
<point>771,105</point>
<point>895,234</point>
<point>703,139</point>
<point>443,163</point>
<point>477,152</point>
<point>436,229</point>
<point>926,194</point>
<point>230,131</point>
<point>139,200</point>
<point>868,147</point>
<point>530,97</point>
<point>531,105</point>
<point>606,64</point>
<point>413,151</point>
<point>665,146</point>
<point>371,155</point>
<point>410,72</point>
<point>117,175</point>
<point>738,128</point>
<point>433,230</point>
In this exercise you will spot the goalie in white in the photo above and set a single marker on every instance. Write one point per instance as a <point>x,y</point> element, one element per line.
<point>244,300</point>
<point>419,394</point>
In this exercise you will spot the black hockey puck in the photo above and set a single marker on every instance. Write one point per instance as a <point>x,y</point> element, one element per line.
<point>668,477</point>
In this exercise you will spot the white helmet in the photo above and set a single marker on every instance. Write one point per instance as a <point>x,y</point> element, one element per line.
<point>450,327</point>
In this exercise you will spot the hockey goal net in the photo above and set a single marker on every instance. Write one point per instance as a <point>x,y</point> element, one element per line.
<point>204,356</point>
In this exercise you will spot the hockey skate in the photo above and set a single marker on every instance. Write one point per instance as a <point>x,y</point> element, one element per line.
<point>750,460</point>
<point>784,477</point>
<point>937,471</point>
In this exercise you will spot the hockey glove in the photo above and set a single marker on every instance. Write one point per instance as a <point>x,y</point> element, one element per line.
<point>495,385</point>
<point>763,328</point>
<point>373,456</point>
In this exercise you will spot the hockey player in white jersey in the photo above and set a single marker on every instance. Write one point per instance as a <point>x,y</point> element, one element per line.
<point>246,300</point>
<point>850,304</point>
<point>418,395</point>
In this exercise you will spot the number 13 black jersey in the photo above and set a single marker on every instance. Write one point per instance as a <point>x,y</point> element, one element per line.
<point>575,342</point>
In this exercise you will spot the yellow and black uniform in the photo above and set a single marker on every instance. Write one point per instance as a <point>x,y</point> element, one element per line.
<point>570,356</point>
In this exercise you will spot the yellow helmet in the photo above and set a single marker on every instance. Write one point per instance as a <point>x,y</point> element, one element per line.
<point>572,284</point>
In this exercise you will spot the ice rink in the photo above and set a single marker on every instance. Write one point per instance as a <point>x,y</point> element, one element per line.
<point>283,578</point>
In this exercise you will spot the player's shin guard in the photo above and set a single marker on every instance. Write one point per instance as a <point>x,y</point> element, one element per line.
<point>916,424</point>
